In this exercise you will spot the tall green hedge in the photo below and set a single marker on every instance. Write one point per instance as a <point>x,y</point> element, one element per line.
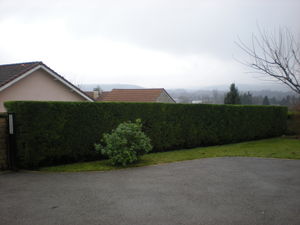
<point>58,132</point>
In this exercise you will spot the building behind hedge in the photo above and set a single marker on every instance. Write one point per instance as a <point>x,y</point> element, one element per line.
<point>36,81</point>
<point>132,95</point>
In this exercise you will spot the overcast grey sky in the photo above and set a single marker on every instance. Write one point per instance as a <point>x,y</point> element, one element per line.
<point>152,43</point>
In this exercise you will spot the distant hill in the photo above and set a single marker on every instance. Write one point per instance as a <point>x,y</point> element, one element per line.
<point>108,87</point>
<point>270,86</point>
<point>215,94</point>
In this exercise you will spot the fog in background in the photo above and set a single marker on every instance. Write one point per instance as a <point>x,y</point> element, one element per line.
<point>155,43</point>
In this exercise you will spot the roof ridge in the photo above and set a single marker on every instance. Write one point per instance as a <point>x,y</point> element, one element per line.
<point>13,64</point>
<point>34,64</point>
<point>22,68</point>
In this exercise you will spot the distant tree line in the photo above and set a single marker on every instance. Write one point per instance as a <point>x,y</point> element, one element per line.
<point>234,97</point>
<point>244,98</point>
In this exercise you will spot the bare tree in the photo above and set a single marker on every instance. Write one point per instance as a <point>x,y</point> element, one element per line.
<point>276,55</point>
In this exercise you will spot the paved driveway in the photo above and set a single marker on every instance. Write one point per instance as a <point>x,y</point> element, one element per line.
<point>206,191</point>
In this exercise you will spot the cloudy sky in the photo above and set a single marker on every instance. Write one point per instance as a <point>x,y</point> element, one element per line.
<point>152,43</point>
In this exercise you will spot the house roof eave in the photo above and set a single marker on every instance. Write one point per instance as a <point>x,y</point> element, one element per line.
<point>52,73</point>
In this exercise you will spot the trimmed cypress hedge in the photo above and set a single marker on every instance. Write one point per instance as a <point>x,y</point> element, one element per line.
<point>50,133</point>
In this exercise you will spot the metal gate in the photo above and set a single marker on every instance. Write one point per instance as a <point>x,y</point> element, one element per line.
<point>3,142</point>
<point>7,142</point>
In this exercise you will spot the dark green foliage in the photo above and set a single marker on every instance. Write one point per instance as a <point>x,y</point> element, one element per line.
<point>246,98</point>
<point>293,123</point>
<point>125,144</point>
<point>59,132</point>
<point>232,97</point>
<point>266,101</point>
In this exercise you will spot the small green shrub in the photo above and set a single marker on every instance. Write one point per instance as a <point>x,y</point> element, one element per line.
<point>125,144</point>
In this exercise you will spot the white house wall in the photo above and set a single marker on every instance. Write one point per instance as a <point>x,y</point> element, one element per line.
<point>38,86</point>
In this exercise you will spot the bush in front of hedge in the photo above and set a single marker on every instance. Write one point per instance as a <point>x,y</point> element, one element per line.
<point>50,133</point>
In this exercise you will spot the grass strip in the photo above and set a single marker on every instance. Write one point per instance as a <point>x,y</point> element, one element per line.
<point>285,148</point>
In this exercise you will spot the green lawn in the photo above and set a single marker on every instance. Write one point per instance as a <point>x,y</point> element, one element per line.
<point>286,148</point>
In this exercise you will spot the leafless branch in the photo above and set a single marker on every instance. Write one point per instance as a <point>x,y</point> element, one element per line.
<point>276,55</point>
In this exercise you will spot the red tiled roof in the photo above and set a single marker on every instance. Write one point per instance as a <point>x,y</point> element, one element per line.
<point>132,95</point>
<point>101,95</point>
<point>90,94</point>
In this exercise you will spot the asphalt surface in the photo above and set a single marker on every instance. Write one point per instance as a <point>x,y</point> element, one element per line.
<point>207,191</point>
